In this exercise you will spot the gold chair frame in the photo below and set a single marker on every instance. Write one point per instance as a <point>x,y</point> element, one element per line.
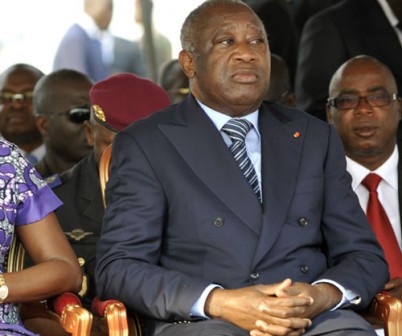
<point>73,318</point>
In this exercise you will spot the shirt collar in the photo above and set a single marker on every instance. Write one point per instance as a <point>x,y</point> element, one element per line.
<point>388,170</point>
<point>219,119</point>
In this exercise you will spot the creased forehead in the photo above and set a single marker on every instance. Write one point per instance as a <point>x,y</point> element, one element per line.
<point>203,14</point>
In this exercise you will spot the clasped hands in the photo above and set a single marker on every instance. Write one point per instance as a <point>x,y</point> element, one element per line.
<point>284,308</point>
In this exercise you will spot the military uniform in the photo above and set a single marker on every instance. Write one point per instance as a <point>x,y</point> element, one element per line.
<point>81,215</point>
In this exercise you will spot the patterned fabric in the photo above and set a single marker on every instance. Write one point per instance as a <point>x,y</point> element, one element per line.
<point>237,130</point>
<point>24,198</point>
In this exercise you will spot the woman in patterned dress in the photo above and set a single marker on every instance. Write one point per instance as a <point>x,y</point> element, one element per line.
<point>26,209</point>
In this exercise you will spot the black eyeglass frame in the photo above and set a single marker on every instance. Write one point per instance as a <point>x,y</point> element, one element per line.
<point>356,100</point>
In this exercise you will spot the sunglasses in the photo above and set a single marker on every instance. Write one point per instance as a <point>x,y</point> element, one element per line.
<point>77,114</point>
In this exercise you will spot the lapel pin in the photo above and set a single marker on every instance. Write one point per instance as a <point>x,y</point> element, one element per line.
<point>296,134</point>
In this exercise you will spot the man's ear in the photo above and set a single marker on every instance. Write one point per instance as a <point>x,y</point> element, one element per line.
<point>399,102</point>
<point>89,132</point>
<point>42,123</point>
<point>187,63</point>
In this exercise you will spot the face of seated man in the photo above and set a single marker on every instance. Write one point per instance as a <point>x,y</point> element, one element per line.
<point>368,132</point>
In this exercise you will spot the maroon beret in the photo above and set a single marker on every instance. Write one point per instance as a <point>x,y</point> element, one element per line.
<point>121,99</point>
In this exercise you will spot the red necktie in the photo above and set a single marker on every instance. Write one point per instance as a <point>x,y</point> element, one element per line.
<point>381,226</point>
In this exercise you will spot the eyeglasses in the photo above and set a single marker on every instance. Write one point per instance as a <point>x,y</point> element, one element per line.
<point>10,97</point>
<point>77,115</point>
<point>346,102</point>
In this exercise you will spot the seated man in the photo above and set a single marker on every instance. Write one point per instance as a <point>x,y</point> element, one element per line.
<point>230,215</point>
<point>116,102</point>
<point>17,122</point>
<point>61,105</point>
<point>365,109</point>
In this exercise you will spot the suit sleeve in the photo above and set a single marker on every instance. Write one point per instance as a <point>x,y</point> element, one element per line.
<point>355,259</point>
<point>128,252</point>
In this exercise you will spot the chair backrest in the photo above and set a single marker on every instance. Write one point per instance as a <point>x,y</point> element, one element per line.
<point>114,311</point>
<point>16,255</point>
<point>104,170</point>
<point>72,317</point>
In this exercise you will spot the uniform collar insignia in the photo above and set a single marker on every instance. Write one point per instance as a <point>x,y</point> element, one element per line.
<point>78,234</point>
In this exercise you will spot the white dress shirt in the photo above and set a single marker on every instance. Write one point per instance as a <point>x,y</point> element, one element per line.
<point>387,189</point>
<point>253,147</point>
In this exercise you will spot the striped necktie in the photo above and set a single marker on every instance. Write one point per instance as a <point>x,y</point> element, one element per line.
<point>237,130</point>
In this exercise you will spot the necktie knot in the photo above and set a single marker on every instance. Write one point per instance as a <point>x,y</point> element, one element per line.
<point>371,181</point>
<point>237,129</point>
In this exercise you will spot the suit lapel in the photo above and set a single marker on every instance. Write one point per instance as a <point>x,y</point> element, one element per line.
<point>282,141</point>
<point>202,147</point>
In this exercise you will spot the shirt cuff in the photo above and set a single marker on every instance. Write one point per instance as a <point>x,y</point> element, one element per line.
<point>197,310</point>
<point>348,297</point>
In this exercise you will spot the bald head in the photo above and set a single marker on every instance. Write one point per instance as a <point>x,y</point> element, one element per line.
<point>49,90</point>
<point>362,64</point>
<point>20,67</point>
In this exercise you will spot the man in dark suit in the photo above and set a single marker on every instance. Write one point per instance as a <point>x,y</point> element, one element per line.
<point>90,48</point>
<point>202,247</point>
<point>368,134</point>
<point>116,102</point>
<point>347,29</point>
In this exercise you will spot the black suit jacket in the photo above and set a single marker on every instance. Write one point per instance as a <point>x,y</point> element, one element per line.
<point>181,215</point>
<point>347,29</point>
<point>81,214</point>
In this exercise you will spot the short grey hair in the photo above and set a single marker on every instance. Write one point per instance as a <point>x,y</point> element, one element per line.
<point>190,25</point>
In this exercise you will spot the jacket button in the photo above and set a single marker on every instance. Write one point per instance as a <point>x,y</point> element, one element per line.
<point>218,221</point>
<point>303,222</point>
<point>304,269</point>
<point>254,276</point>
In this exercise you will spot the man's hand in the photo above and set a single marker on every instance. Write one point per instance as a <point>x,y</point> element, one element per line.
<point>394,287</point>
<point>324,295</point>
<point>266,308</point>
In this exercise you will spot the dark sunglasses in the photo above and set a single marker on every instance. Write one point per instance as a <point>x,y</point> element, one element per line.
<point>77,114</point>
